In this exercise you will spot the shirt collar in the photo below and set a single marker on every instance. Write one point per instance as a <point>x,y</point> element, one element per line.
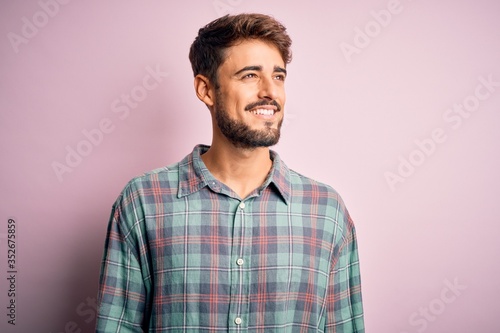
<point>194,175</point>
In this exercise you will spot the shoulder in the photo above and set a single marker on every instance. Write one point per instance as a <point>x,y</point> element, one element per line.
<point>303,185</point>
<point>160,180</point>
<point>319,196</point>
<point>148,179</point>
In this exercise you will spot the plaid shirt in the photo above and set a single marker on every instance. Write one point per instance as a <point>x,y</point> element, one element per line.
<point>184,253</point>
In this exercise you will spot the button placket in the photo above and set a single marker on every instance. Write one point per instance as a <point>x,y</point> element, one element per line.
<point>240,308</point>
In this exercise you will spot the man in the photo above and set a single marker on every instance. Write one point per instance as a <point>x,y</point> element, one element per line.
<point>230,239</point>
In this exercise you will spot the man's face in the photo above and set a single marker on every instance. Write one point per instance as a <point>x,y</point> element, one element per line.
<point>250,100</point>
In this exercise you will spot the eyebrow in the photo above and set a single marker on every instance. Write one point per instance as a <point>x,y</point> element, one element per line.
<point>259,69</point>
<point>280,69</point>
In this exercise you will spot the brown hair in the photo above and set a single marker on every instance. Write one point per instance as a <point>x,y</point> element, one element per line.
<point>207,51</point>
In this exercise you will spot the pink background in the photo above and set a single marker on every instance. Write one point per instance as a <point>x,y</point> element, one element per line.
<point>351,119</point>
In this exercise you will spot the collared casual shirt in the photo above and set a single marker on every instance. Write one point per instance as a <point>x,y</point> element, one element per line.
<point>184,253</point>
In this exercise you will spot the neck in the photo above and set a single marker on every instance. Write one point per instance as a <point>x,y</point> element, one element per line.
<point>243,170</point>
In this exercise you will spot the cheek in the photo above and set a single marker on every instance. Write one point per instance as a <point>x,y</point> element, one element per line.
<point>242,99</point>
<point>242,96</point>
<point>282,99</point>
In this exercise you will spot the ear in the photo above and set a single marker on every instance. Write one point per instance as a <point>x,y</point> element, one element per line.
<point>204,90</point>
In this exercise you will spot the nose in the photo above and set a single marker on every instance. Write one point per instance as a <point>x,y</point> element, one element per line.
<point>268,89</point>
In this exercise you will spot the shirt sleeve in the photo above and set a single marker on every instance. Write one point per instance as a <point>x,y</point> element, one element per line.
<point>344,302</point>
<point>123,286</point>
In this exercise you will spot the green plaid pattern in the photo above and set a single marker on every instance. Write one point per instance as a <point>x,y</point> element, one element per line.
<point>184,253</point>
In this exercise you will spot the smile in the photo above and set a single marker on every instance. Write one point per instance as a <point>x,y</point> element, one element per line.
<point>263,112</point>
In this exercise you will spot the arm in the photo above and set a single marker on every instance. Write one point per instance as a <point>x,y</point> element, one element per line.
<point>122,288</point>
<point>344,302</point>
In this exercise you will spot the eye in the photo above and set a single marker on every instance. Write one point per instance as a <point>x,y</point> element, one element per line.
<point>280,77</point>
<point>250,76</point>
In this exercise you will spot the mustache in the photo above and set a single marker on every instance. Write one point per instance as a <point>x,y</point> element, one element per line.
<point>262,103</point>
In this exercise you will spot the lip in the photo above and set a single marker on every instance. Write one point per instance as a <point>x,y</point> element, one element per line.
<point>265,105</point>
<point>268,115</point>
<point>267,109</point>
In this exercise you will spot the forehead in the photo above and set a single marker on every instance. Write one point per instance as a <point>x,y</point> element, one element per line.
<point>252,53</point>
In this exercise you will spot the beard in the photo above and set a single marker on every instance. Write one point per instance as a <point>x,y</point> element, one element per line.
<point>239,133</point>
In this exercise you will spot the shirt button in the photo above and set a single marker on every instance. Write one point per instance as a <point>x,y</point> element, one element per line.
<point>242,205</point>
<point>237,321</point>
<point>240,262</point>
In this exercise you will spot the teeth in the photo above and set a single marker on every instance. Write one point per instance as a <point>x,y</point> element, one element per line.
<point>265,112</point>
